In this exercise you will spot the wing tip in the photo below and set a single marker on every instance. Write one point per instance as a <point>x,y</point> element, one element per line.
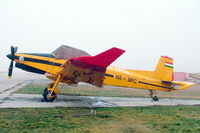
<point>119,49</point>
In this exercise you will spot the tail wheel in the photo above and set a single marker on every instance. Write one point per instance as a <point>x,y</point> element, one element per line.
<point>155,98</point>
<point>46,94</point>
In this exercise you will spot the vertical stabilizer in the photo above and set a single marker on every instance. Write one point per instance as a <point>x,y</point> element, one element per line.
<point>164,69</point>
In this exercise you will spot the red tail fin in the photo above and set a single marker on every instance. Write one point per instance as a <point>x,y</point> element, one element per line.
<point>98,62</point>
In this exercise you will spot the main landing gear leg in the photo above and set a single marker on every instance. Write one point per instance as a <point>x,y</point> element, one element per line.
<point>154,97</point>
<point>50,93</point>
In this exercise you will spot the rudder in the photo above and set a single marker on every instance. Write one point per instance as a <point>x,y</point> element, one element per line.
<point>164,69</point>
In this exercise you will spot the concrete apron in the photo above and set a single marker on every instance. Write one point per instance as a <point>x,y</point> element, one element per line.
<point>34,100</point>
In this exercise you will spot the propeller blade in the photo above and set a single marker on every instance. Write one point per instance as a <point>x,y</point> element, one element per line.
<point>13,50</point>
<point>11,56</point>
<point>10,69</point>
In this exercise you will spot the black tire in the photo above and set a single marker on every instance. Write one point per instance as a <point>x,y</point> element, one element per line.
<point>46,98</point>
<point>155,98</point>
<point>45,91</point>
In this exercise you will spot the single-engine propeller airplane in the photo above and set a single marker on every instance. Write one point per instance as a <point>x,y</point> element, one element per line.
<point>96,70</point>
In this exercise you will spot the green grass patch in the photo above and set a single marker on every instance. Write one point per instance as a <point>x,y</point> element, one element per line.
<point>32,89</point>
<point>81,90</point>
<point>111,91</point>
<point>107,120</point>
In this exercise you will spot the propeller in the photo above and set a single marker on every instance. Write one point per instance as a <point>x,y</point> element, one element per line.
<point>11,57</point>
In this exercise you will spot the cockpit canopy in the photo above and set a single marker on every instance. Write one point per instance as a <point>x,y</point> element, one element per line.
<point>65,52</point>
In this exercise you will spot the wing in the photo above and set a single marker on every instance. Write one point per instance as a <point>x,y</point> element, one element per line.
<point>89,69</point>
<point>183,85</point>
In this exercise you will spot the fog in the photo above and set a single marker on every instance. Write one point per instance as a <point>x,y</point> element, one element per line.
<point>146,29</point>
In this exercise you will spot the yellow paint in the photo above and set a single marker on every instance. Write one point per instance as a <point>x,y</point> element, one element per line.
<point>45,67</point>
<point>163,72</point>
<point>184,85</point>
<point>131,79</point>
<point>151,80</point>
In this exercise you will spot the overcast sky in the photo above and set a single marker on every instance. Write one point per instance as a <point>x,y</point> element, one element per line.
<point>146,29</point>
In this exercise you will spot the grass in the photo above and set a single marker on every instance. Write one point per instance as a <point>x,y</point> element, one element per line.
<point>155,119</point>
<point>107,120</point>
<point>84,89</point>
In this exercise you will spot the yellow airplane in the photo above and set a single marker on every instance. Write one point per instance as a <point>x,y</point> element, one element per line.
<point>96,70</point>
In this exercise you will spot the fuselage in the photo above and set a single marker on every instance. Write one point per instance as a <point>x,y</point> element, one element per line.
<point>47,63</point>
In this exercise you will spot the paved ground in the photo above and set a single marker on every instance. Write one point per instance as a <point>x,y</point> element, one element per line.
<point>29,100</point>
<point>17,78</point>
<point>8,99</point>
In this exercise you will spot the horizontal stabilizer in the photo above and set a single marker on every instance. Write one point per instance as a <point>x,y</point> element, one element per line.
<point>98,62</point>
<point>184,85</point>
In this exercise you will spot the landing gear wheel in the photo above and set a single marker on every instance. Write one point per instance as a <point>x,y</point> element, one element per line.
<point>46,97</point>
<point>152,95</point>
<point>155,98</point>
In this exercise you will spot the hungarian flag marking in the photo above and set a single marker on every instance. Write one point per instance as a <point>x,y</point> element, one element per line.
<point>168,64</point>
